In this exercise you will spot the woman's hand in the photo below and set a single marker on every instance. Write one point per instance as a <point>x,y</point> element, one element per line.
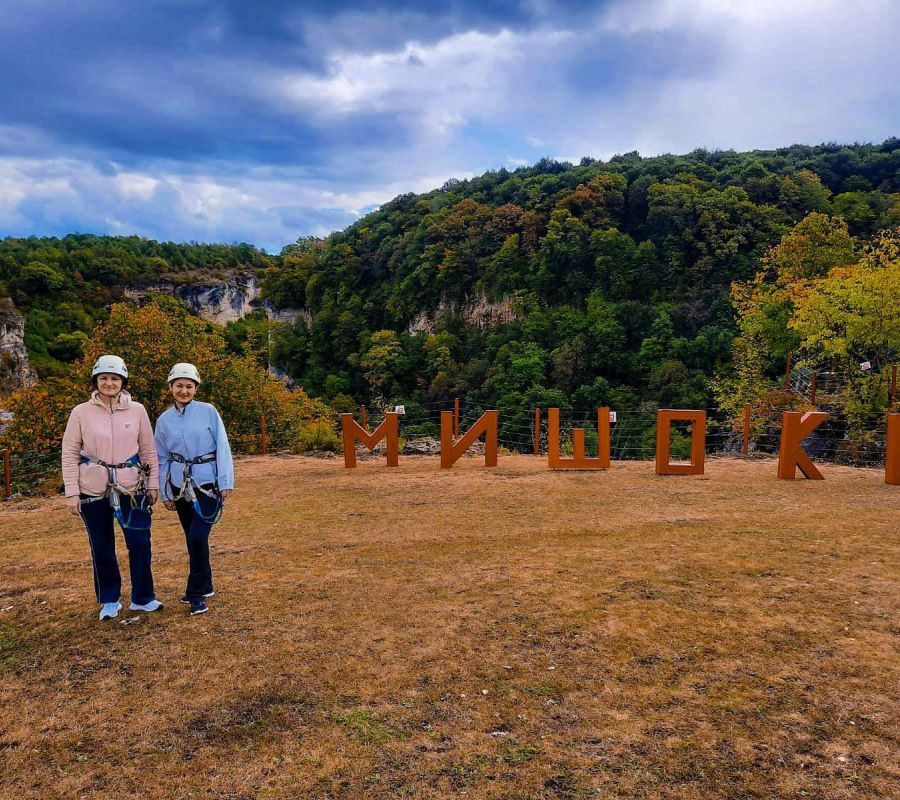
<point>170,504</point>
<point>74,505</point>
<point>153,494</point>
<point>226,493</point>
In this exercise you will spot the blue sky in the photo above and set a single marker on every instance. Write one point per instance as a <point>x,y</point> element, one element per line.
<point>222,120</point>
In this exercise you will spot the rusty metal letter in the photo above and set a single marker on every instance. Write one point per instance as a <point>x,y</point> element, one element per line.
<point>579,459</point>
<point>353,432</point>
<point>664,419</point>
<point>795,427</point>
<point>892,459</point>
<point>486,424</point>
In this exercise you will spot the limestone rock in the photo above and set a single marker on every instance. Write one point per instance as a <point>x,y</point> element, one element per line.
<point>220,301</point>
<point>423,446</point>
<point>476,311</point>
<point>15,368</point>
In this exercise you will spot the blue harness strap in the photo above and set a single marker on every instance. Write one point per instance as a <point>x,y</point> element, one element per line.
<point>190,487</point>
<point>140,502</point>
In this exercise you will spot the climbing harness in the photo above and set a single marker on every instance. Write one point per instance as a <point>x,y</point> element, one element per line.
<point>190,487</point>
<point>140,501</point>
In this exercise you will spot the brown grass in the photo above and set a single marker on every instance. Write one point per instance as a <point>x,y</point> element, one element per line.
<point>507,633</point>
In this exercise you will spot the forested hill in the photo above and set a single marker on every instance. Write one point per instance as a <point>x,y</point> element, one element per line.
<point>601,283</point>
<point>617,274</point>
<point>65,286</point>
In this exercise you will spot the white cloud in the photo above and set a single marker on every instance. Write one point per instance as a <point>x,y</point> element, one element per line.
<point>766,73</point>
<point>784,72</point>
<point>440,86</point>
<point>258,205</point>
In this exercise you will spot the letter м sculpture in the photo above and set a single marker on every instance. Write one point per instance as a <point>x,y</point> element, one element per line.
<point>353,432</point>
<point>579,459</point>
<point>664,419</point>
<point>486,424</point>
<point>794,429</point>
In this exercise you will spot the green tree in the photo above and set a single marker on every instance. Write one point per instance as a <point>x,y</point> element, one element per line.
<point>37,278</point>
<point>853,313</point>
<point>379,362</point>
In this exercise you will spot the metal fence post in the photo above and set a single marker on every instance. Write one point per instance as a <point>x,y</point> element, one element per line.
<point>814,386</point>
<point>745,449</point>
<point>456,417</point>
<point>537,431</point>
<point>7,485</point>
<point>263,436</point>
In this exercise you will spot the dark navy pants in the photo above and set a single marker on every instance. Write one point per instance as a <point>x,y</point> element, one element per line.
<point>196,535</point>
<point>101,528</point>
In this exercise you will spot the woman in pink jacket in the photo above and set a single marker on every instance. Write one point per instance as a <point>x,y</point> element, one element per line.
<point>110,470</point>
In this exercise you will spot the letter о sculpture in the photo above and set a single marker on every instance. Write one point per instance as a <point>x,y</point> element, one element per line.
<point>664,464</point>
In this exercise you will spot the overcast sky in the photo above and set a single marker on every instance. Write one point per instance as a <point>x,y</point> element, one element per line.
<point>231,120</point>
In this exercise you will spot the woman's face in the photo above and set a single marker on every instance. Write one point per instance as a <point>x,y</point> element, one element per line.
<point>109,385</point>
<point>183,390</point>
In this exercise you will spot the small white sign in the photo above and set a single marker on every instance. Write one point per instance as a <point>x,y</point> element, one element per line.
<point>866,365</point>
<point>612,416</point>
<point>400,409</point>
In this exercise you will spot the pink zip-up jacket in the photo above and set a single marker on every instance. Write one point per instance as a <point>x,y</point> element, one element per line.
<point>112,436</point>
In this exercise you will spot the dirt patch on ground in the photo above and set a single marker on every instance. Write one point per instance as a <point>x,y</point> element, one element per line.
<point>506,633</point>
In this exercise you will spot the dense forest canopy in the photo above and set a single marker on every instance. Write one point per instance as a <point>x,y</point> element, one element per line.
<point>620,274</point>
<point>617,277</point>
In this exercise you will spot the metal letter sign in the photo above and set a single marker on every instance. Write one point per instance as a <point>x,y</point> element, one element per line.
<point>579,459</point>
<point>353,432</point>
<point>892,459</point>
<point>664,420</point>
<point>794,429</point>
<point>487,425</point>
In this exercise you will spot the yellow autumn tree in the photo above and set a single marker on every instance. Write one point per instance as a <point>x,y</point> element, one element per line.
<point>764,307</point>
<point>151,339</point>
<point>852,315</point>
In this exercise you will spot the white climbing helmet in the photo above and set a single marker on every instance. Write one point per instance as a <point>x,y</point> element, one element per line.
<point>183,370</point>
<point>111,364</point>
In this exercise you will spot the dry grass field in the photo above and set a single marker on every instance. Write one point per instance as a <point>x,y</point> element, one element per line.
<point>506,633</point>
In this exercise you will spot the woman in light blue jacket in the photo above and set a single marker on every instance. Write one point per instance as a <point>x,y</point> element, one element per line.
<point>196,474</point>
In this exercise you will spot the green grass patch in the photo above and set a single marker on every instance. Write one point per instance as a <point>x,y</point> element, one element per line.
<point>13,646</point>
<point>548,689</point>
<point>519,755</point>
<point>463,776</point>
<point>366,726</point>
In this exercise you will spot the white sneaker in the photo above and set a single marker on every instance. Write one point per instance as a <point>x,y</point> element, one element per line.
<point>110,610</point>
<point>153,605</point>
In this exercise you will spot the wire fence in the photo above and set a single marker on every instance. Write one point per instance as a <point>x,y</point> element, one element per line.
<point>32,472</point>
<point>525,430</point>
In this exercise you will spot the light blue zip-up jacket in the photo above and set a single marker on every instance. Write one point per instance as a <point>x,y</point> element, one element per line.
<point>194,431</point>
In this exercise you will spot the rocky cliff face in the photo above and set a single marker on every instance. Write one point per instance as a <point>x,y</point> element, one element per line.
<point>231,299</point>
<point>15,369</point>
<point>220,301</point>
<point>478,311</point>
